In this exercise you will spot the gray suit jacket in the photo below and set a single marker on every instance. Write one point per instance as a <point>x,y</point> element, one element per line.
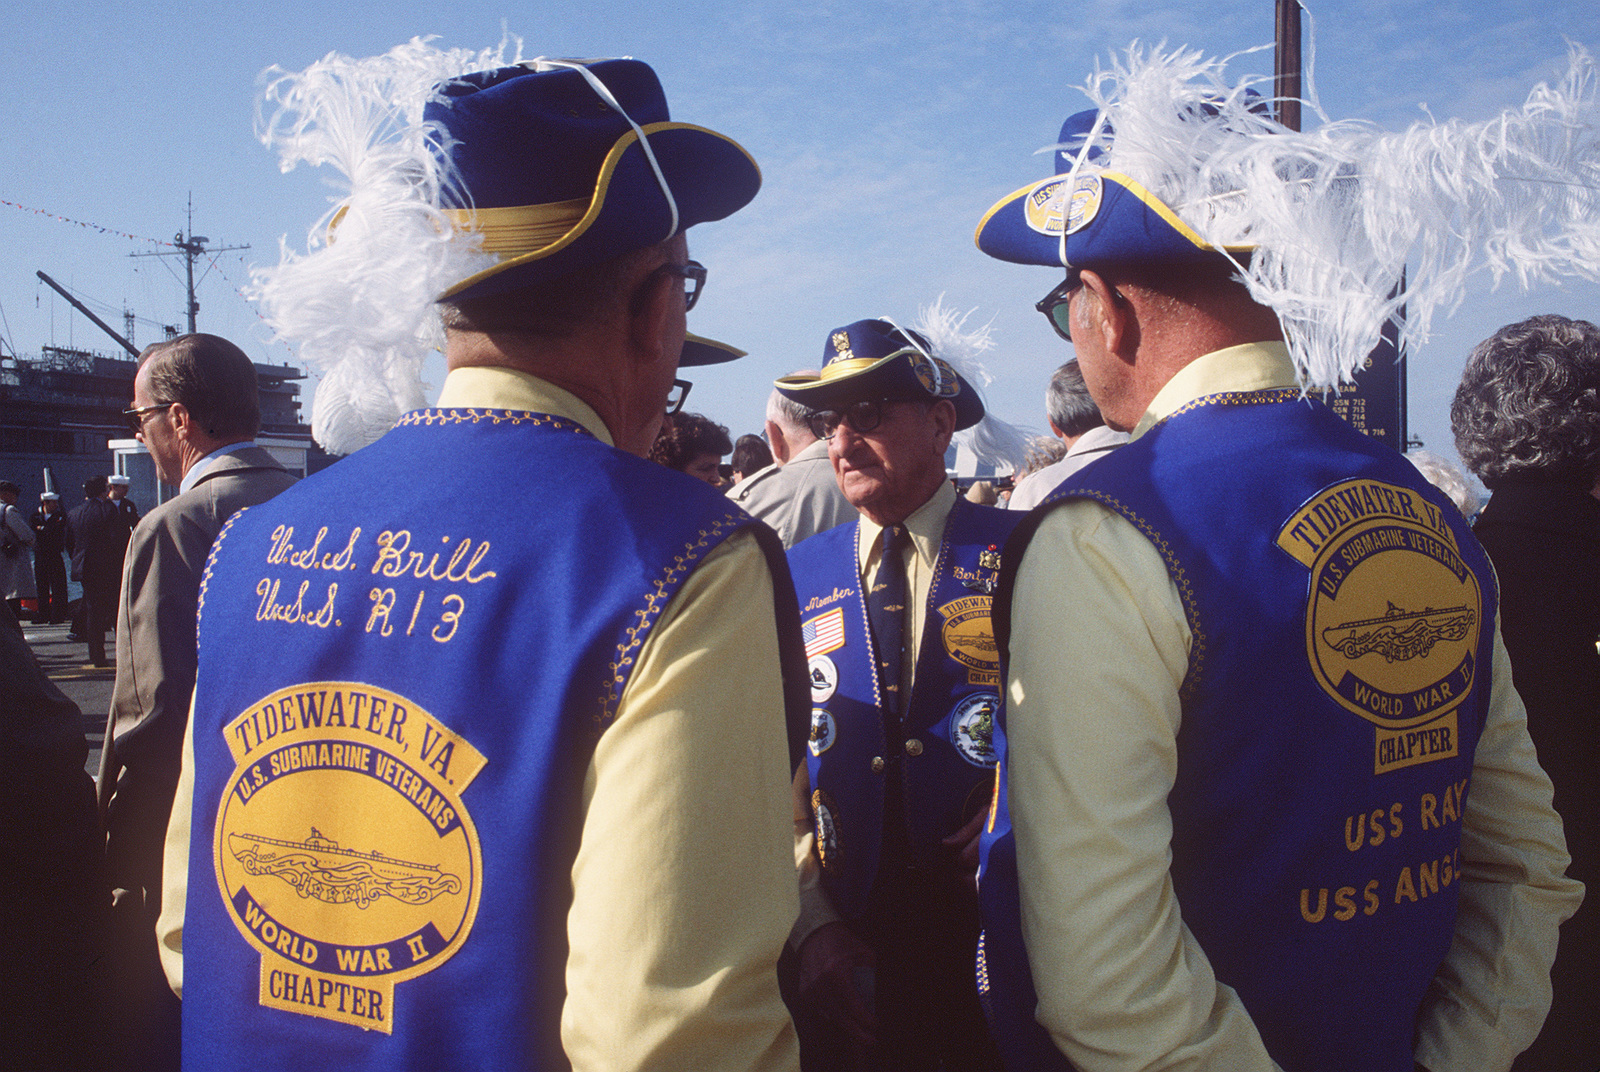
<point>156,664</point>
<point>799,499</point>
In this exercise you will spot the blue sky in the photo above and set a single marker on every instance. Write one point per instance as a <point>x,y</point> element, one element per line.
<point>884,131</point>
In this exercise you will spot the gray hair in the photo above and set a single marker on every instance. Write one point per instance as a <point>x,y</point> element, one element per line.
<point>214,379</point>
<point>1067,402</point>
<point>1042,451</point>
<point>1529,402</point>
<point>1447,476</point>
<point>785,412</point>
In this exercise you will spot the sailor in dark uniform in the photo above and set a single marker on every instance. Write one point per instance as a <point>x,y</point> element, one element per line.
<point>904,688</point>
<point>118,487</point>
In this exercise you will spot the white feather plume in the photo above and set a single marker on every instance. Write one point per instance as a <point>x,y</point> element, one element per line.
<point>991,440</point>
<point>358,305</point>
<point>1336,213</point>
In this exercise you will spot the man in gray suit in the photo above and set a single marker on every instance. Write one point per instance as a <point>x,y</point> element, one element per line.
<point>197,410</point>
<point>797,494</point>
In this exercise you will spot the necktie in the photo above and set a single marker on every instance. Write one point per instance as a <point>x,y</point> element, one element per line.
<point>886,607</point>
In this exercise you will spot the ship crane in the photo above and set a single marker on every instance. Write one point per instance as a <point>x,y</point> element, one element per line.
<point>84,309</point>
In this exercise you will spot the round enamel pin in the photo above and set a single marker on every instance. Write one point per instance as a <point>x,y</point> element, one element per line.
<point>824,731</point>
<point>824,678</point>
<point>927,373</point>
<point>972,728</point>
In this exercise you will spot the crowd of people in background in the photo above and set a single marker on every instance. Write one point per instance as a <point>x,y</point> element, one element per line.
<point>93,536</point>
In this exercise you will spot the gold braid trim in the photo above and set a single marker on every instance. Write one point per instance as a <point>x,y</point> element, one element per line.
<point>1239,398</point>
<point>440,417</point>
<point>656,600</point>
<point>518,229</point>
<point>1180,578</point>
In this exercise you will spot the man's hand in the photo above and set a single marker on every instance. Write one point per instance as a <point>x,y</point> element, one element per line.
<point>963,848</point>
<point>835,978</point>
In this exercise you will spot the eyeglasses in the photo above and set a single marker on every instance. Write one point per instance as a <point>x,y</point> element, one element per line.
<point>676,397</point>
<point>862,417</point>
<point>1056,305</point>
<point>694,278</point>
<point>136,415</point>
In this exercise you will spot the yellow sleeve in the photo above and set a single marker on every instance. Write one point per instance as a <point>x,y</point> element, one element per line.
<point>1491,995</point>
<point>1092,722</point>
<point>684,883</point>
<point>175,867</point>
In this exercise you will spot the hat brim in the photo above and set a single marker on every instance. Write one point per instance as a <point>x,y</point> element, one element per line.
<point>892,377</point>
<point>1113,220</point>
<point>711,177</point>
<point>698,350</point>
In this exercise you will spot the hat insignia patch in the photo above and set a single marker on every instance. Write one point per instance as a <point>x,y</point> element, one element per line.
<point>1085,204</point>
<point>841,346</point>
<point>1042,206</point>
<point>927,375</point>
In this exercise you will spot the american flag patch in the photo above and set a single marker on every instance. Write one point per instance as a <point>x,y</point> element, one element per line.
<point>824,633</point>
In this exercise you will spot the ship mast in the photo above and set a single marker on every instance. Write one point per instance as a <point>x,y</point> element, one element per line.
<point>190,247</point>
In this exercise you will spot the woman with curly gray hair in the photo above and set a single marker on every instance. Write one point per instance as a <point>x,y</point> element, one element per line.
<point>1529,404</point>
<point>1527,420</point>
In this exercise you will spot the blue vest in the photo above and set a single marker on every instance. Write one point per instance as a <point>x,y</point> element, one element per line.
<point>403,675</point>
<point>1343,624</point>
<point>940,753</point>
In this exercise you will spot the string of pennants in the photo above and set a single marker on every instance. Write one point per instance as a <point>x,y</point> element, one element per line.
<point>152,241</point>
<point>81,223</point>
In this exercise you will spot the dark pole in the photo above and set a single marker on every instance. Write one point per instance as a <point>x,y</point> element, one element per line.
<point>78,305</point>
<point>1286,84</point>
<point>192,249</point>
<point>1377,405</point>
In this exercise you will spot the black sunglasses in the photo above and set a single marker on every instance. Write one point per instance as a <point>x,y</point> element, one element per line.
<point>135,416</point>
<point>1056,305</point>
<point>694,279</point>
<point>676,396</point>
<point>862,416</point>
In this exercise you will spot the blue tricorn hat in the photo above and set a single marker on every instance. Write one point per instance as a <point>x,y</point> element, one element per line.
<point>873,359</point>
<point>556,177</point>
<point>1109,218</point>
